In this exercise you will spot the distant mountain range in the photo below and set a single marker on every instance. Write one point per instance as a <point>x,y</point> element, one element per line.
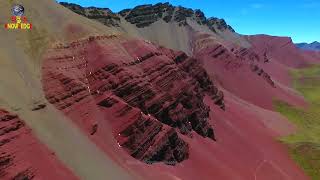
<point>315,46</point>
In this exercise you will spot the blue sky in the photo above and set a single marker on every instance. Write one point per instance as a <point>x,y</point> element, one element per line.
<point>299,19</point>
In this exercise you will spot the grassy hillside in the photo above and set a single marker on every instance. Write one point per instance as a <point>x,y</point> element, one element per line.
<point>304,145</point>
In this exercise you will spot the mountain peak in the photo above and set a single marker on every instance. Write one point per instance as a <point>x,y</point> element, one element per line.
<point>144,15</point>
<point>147,14</point>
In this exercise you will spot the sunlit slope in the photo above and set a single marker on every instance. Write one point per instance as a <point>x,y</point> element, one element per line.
<point>21,50</point>
<point>21,90</point>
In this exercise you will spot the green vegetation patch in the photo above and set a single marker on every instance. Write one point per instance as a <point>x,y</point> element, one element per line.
<point>307,81</point>
<point>307,155</point>
<point>304,145</point>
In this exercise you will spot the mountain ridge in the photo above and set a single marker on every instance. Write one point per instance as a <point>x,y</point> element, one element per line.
<point>163,24</point>
<point>162,10</point>
<point>314,46</point>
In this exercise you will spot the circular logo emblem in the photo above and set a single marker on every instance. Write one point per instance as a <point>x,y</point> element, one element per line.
<point>18,10</point>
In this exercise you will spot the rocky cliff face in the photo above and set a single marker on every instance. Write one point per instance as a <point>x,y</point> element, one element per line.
<point>157,93</point>
<point>219,23</point>
<point>263,74</point>
<point>103,15</point>
<point>145,15</point>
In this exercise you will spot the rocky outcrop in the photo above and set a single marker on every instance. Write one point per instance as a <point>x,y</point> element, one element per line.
<point>158,91</point>
<point>150,141</point>
<point>103,15</point>
<point>182,14</point>
<point>200,17</point>
<point>74,7</point>
<point>260,72</point>
<point>21,155</point>
<point>145,15</point>
<point>193,67</point>
<point>219,23</point>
